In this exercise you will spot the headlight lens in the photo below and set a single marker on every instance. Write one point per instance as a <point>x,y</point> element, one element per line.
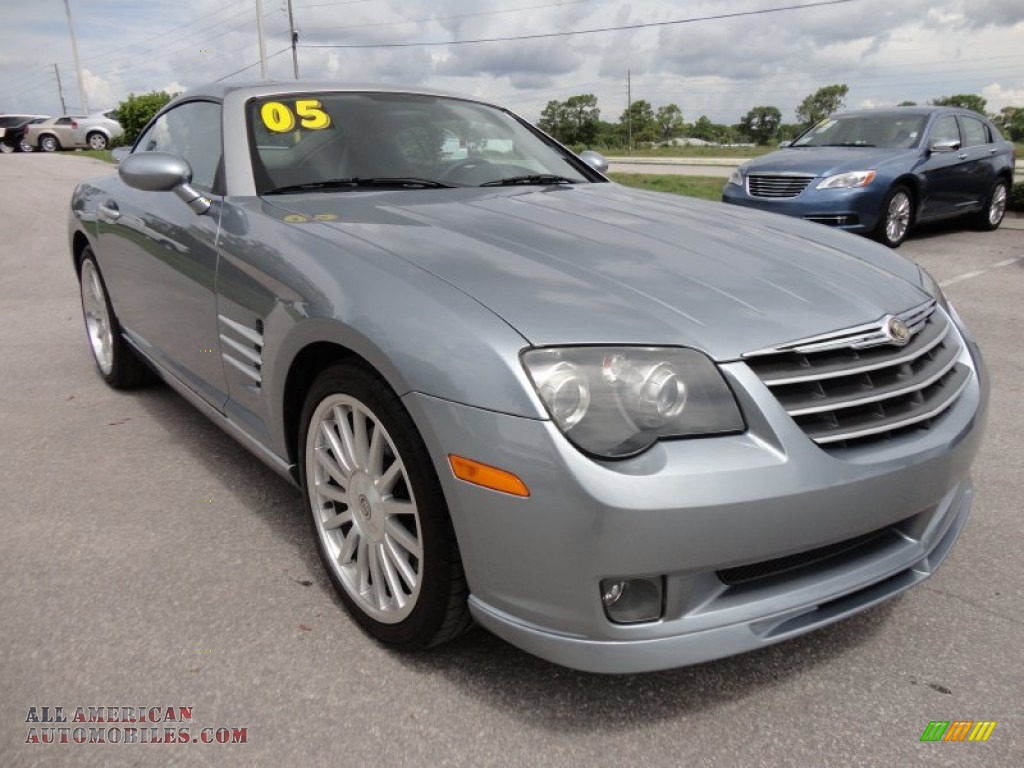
<point>850,180</point>
<point>736,177</point>
<point>932,288</point>
<point>616,402</point>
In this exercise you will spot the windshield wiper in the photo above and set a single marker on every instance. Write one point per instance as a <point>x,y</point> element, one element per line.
<point>536,178</point>
<point>378,182</point>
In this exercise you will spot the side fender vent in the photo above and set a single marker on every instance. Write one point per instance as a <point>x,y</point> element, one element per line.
<point>242,348</point>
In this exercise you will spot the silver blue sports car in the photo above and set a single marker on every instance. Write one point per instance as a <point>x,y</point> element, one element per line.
<point>623,430</point>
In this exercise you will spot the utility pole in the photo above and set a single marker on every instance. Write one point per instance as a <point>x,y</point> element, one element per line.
<point>259,34</point>
<point>295,41</point>
<point>74,52</point>
<point>60,90</point>
<point>629,108</point>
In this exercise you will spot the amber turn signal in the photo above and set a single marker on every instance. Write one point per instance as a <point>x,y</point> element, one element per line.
<point>487,476</point>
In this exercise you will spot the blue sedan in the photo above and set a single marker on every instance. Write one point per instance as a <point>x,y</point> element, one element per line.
<point>881,172</point>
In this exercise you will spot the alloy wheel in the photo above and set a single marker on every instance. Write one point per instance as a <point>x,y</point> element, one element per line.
<point>97,141</point>
<point>997,206</point>
<point>897,217</point>
<point>363,508</point>
<point>97,318</point>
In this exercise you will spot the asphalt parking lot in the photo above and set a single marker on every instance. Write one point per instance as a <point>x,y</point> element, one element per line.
<point>148,561</point>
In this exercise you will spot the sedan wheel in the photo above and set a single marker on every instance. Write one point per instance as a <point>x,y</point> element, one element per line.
<point>5,148</point>
<point>897,217</point>
<point>26,147</point>
<point>49,144</point>
<point>991,216</point>
<point>97,141</point>
<point>378,512</point>
<point>116,361</point>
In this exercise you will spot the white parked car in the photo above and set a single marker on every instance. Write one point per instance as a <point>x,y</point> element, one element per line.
<point>74,132</point>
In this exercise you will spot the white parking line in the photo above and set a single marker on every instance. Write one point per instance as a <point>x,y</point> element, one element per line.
<point>976,272</point>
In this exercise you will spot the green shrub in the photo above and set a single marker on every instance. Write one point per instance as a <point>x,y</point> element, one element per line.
<point>1017,197</point>
<point>136,111</point>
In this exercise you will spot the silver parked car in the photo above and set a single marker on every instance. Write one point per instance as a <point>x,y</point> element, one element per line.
<point>623,430</point>
<point>74,132</point>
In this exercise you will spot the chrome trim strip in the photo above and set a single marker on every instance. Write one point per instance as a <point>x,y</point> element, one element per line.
<point>917,386</point>
<point>246,369</point>
<point>245,331</point>
<point>917,417</point>
<point>250,354</point>
<point>871,334</point>
<point>887,363</point>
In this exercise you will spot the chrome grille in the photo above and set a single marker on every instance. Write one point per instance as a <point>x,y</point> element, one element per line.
<point>779,185</point>
<point>860,384</point>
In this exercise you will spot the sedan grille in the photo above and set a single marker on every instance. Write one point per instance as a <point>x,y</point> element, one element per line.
<point>781,185</point>
<point>870,382</point>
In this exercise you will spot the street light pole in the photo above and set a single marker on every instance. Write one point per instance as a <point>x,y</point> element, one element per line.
<point>74,52</point>
<point>295,41</point>
<point>259,34</point>
<point>60,89</point>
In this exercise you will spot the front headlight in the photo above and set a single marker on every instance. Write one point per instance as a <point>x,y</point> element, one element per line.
<point>736,177</point>
<point>932,288</point>
<point>616,402</point>
<point>850,180</point>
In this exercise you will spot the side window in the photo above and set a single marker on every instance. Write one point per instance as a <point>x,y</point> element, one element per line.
<point>975,132</point>
<point>192,131</point>
<point>945,129</point>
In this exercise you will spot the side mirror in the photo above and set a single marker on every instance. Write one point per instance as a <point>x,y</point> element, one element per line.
<point>120,153</point>
<point>952,145</point>
<point>784,144</point>
<point>162,172</point>
<point>595,160</point>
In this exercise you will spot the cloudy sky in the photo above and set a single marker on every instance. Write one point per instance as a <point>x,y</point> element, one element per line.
<point>676,51</point>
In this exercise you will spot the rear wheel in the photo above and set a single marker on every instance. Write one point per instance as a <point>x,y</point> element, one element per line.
<point>991,216</point>
<point>116,361</point>
<point>378,512</point>
<point>96,140</point>
<point>49,143</point>
<point>6,148</point>
<point>897,217</point>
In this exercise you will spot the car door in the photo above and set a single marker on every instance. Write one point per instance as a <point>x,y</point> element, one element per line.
<point>944,170</point>
<point>159,259</point>
<point>980,174</point>
<point>64,129</point>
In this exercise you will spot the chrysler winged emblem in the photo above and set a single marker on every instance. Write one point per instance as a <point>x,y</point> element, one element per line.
<point>897,331</point>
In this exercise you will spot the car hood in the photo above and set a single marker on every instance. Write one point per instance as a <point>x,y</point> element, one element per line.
<point>604,264</point>
<point>825,161</point>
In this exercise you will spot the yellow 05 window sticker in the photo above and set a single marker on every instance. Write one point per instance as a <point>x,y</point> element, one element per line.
<point>278,117</point>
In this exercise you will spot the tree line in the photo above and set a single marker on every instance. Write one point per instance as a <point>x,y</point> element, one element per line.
<point>577,121</point>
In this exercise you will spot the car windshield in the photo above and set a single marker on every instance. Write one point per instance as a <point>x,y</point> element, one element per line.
<point>890,131</point>
<point>351,141</point>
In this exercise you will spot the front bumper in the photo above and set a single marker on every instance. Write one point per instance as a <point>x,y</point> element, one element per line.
<point>685,511</point>
<point>852,210</point>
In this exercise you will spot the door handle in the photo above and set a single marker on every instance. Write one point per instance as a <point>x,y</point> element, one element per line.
<point>962,156</point>
<point>109,212</point>
<point>992,151</point>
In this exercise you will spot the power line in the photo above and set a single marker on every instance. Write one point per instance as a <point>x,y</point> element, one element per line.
<point>254,64</point>
<point>642,25</point>
<point>449,18</point>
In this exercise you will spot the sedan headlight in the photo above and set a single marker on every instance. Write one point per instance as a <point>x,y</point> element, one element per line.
<point>850,180</point>
<point>616,402</point>
<point>736,177</point>
<point>932,288</point>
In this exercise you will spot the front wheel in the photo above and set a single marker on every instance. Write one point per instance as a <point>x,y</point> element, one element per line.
<point>897,217</point>
<point>116,361</point>
<point>991,216</point>
<point>49,144</point>
<point>378,512</point>
<point>6,148</point>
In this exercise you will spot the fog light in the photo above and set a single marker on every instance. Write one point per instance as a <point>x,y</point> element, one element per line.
<point>628,601</point>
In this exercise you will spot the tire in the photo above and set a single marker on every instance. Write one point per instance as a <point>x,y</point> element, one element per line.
<point>896,217</point>
<point>6,148</point>
<point>49,143</point>
<point>991,216</point>
<point>26,147</point>
<point>116,361</point>
<point>96,140</point>
<point>381,525</point>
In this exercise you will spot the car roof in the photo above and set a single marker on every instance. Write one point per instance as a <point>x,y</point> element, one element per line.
<point>259,88</point>
<point>921,111</point>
